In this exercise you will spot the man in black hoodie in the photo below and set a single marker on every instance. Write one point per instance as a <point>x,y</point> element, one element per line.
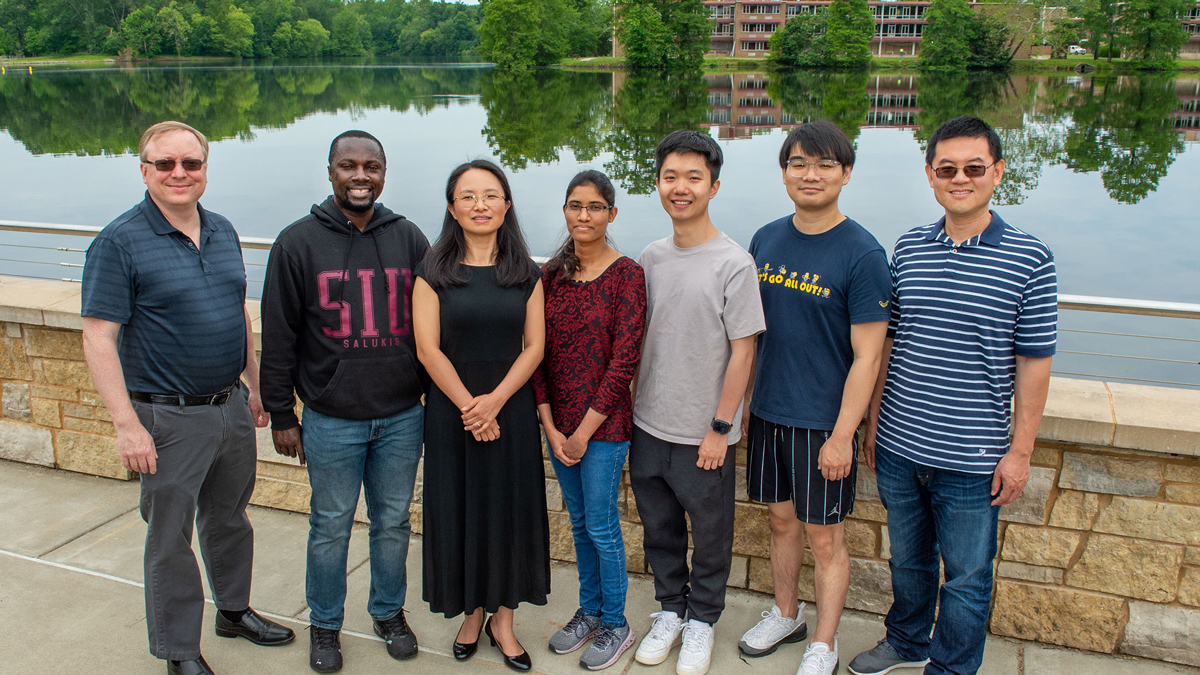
<point>337,329</point>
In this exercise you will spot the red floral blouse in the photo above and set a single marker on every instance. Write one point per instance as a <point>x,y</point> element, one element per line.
<point>593,343</point>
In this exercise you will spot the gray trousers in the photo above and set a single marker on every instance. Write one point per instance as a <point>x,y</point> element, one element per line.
<point>670,490</point>
<point>205,474</point>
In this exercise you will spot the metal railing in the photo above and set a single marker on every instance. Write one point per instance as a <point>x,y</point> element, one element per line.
<point>1095,322</point>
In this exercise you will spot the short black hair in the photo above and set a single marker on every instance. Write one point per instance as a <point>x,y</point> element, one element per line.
<point>684,142</point>
<point>964,127</point>
<point>355,133</point>
<point>818,140</point>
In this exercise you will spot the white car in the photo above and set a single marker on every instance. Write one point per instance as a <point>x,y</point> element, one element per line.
<point>1076,50</point>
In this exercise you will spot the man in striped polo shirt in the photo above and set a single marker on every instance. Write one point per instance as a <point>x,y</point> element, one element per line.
<point>973,327</point>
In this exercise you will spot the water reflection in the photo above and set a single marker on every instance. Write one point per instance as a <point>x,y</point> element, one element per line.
<point>1129,130</point>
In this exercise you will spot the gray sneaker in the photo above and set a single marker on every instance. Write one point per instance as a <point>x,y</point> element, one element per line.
<point>883,658</point>
<point>607,646</point>
<point>575,633</point>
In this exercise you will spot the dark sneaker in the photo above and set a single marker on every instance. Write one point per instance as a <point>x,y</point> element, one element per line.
<point>607,646</point>
<point>575,633</point>
<point>324,650</point>
<point>401,643</point>
<point>883,658</point>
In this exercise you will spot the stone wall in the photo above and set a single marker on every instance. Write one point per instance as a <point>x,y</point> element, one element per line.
<point>1102,551</point>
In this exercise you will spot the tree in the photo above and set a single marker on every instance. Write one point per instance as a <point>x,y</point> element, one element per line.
<point>848,29</point>
<point>678,38</point>
<point>172,28</point>
<point>801,41</point>
<point>283,40</point>
<point>311,37</point>
<point>643,35</point>
<point>1061,37</point>
<point>236,31</point>
<point>947,39</point>
<point>138,29</point>
<point>1154,32</point>
<point>1100,23</point>
<point>346,38</point>
<point>508,34</point>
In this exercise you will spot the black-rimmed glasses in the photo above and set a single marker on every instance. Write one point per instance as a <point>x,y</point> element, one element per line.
<point>594,209</point>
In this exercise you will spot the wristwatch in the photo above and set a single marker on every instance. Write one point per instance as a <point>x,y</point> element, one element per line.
<point>721,427</point>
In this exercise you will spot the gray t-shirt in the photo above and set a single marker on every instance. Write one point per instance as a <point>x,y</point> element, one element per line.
<point>698,299</point>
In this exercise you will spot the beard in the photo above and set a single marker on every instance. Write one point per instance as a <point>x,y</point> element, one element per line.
<point>343,200</point>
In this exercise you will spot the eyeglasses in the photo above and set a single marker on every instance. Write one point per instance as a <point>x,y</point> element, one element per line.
<point>970,171</point>
<point>594,209</point>
<point>469,201</point>
<point>165,165</point>
<point>825,168</point>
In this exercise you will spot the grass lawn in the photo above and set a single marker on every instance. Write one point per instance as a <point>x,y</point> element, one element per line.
<point>895,62</point>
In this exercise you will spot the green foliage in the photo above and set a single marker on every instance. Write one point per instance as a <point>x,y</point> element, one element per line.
<point>1154,34</point>
<point>663,33</point>
<point>1100,23</point>
<point>508,34</point>
<point>957,37</point>
<point>839,97</point>
<point>801,42</point>
<point>348,33</point>
<point>649,106</point>
<point>848,30</point>
<point>533,115</point>
<point>1064,34</point>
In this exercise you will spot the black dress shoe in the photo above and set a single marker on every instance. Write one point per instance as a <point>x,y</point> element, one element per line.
<point>520,662</point>
<point>324,650</point>
<point>401,643</point>
<point>194,667</point>
<point>254,628</point>
<point>462,652</point>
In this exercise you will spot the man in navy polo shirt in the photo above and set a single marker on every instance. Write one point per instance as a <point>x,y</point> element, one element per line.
<point>167,337</point>
<point>973,328</point>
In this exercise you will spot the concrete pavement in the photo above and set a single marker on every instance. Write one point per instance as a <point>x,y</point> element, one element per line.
<point>71,601</point>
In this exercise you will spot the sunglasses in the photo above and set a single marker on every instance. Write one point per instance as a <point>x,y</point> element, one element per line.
<point>166,165</point>
<point>970,171</point>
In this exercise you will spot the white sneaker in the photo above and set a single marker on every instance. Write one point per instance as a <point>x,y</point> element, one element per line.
<point>662,638</point>
<point>697,649</point>
<point>775,629</point>
<point>819,659</point>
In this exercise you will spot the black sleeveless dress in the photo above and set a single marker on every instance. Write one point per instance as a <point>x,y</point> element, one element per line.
<point>486,533</point>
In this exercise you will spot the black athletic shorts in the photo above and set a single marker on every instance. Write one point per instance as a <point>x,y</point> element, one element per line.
<point>782,464</point>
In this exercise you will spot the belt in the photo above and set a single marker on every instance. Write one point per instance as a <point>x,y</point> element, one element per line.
<point>183,399</point>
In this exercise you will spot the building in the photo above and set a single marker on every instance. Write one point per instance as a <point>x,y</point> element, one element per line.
<point>1191,23</point>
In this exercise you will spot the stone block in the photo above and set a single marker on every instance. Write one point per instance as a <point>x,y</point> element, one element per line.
<point>1186,494</point>
<point>67,374</point>
<point>90,398</point>
<point>866,488</point>
<point>873,511</point>
<point>1157,419</point>
<point>554,499</point>
<point>740,492</point>
<point>631,512</point>
<point>1128,567</point>
<point>562,544</point>
<point>13,364</point>
<point>1191,555</point>
<point>95,455</point>
<point>281,494</point>
<point>1039,546</point>
<point>12,330</point>
<point>759,577</point>
<point>54,344</point>
<point>1189,587</point>
<point>16,401</point>
<point>416,517</point>
<point>57,393</point>
<point>1164,633</point>
<point>635,552</point>
<point>1183,473</point>
<point>1077,411</point>
<point>885,543</point>
<point>1042,575</point>
<point>90,426</point>
<point>870,586</point>
<point>737,571</point>
<point>861,538</point>
<point>83,412</point>
<point>1074,510</point>
<point>26,443</point>
<point>1110,475</point>
<point>1058,616</point>
<point>1030,507</point>
<point>1175,523</point>
<point>752,530</point>
<point>46,413</point>
<point>1043,456</point>
<point>102,414</point>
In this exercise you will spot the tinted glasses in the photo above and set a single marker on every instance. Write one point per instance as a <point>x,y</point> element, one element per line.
<point>166,165</point>
<point>970,171</point>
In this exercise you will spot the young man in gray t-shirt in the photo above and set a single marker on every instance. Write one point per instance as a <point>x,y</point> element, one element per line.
<point>702,313</point>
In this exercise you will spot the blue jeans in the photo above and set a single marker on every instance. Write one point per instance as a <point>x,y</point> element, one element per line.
<point>380,455</point>
<point>934,512</point>
<point>589,490</point>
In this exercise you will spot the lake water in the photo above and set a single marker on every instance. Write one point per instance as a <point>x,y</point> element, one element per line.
<point>1105,169</point>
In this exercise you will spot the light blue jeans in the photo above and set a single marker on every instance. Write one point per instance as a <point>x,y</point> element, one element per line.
<point>381,456</point>
<point>589,489</point>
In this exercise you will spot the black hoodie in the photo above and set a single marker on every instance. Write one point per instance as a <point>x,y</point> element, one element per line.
<point>337,317</point>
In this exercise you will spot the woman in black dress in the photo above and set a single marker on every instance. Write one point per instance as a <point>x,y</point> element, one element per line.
<point>478,320</point>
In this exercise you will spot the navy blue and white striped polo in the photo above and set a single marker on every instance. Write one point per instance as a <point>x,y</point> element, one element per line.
<point>182,309</point>
<point>961,314</point>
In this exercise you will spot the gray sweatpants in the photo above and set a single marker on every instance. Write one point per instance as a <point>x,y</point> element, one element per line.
<point>205,474</point>
<point>669,486</point>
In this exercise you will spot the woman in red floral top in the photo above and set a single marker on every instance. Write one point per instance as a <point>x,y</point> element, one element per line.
<point>595,317</point>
